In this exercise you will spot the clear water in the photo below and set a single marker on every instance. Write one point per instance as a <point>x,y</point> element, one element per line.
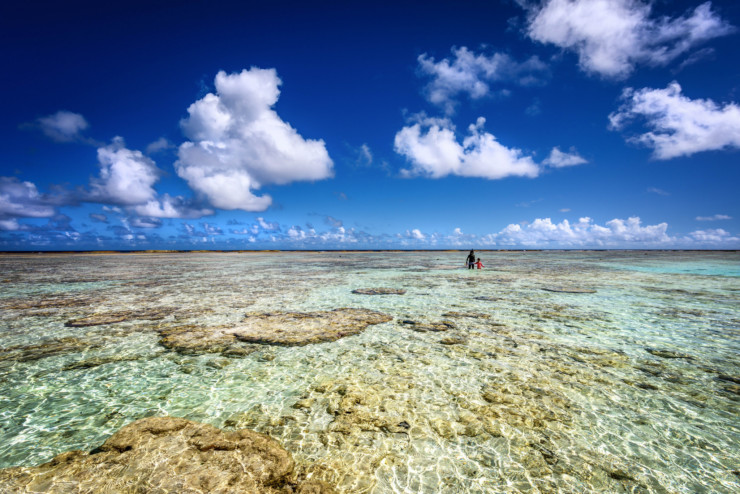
<point>543,392</point>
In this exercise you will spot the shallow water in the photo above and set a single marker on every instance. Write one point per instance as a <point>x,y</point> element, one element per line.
<point>632,388</point>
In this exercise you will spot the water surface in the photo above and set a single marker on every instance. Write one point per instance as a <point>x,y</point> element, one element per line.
<point>632,385</point>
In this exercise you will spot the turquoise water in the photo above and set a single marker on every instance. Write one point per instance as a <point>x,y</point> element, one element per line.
<point>632,385</point>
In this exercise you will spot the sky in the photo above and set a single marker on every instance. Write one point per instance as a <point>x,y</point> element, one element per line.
<point>512,124</point>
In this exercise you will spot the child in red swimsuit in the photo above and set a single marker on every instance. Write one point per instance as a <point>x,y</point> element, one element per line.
<point>479,264</point>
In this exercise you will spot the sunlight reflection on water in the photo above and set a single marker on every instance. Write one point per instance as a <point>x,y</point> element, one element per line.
<point>632,385</point>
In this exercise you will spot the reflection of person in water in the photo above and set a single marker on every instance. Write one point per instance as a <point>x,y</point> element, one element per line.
<point>471,260</point>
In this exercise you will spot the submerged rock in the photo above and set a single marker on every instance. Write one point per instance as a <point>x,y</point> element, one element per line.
<point>474,315</point>
<point>379,291</point>
<point>168,454</point>
<point>453,340</point>
<point>668,354</point>
<point>114,317</point>
<point>273,328</point>
<point>54,302</point>
<point>49,348</point>
<point>568,289</point>
<point>423,327</point>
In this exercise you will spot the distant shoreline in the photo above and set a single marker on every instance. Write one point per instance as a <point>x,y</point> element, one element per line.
<point>318,251</point>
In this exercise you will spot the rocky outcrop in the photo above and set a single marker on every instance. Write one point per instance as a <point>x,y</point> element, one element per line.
<point>168,454</point>
<point>272,328</point>
<point>379,291</point>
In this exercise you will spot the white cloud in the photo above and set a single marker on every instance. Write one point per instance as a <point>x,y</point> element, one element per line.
<point>126,176</point>
<point>559,159</point>
<point>171,207</point>
<point>415,234</point>
<point>159,145</point>
<point>238,143</point>
<point>268,226</point>
<point>10,224</point>
<point>716,217</point>
<point>656,190</point>
<point>471,74</point>
<point>432,148</point>
<point>680,126</point>
<point>542,232</point>
<point>612,36</point>
<point>146,222</point>
<point>22,200</point>
<point>98,217</point>
<point>716,238</point>
<point>63,126</point>
<point>564,210</point>
<point>364,156</point>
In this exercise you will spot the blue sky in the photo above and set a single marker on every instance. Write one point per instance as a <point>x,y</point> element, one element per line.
<point>352,125</point>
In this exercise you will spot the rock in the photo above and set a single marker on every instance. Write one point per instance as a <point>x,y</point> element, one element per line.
<point>668,354</point>
<point>732,379</point>
<point>453,340</point>
<point>97,361</point>
<point>474,315</point>
<point>50,302</point>
<point>303,328</point>
<point>379,291</point>
<point>49,348</point>
<point>272,328</point>
<point>168,454</point>
<point>568,290</point>
<point>114,317</point>
<point>428,326</point>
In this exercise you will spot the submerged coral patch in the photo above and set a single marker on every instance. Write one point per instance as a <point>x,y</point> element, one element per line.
<point>114,317</point>
<point>273,328</point>
<point>379,291</point>
<point>168,454</point>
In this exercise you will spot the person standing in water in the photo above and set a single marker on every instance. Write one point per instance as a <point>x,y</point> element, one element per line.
<point>471,260</point>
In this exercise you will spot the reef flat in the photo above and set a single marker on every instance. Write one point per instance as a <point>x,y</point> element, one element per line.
<point>372,372</point>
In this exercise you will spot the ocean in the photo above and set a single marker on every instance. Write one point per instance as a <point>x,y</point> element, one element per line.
<point>547,371</point>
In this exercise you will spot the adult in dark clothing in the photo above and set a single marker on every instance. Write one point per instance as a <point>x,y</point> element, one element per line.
<point>471,260</point>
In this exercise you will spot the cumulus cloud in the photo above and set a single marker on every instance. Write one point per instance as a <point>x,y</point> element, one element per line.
<point>471,74</point>
<point>171,207</point>
<point>679,125</point>
<point>63,126</point>
<point>716,238</point>
<point>559,159</point>
<point>268,226</point>
<point>127,177</point>
<point>22,200</point>
<point>542,232</point>
<point>431,146</point>
<point>238,143</point>
<point>415,234</point>
<point>612,36</point>
<point>716,217</point>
